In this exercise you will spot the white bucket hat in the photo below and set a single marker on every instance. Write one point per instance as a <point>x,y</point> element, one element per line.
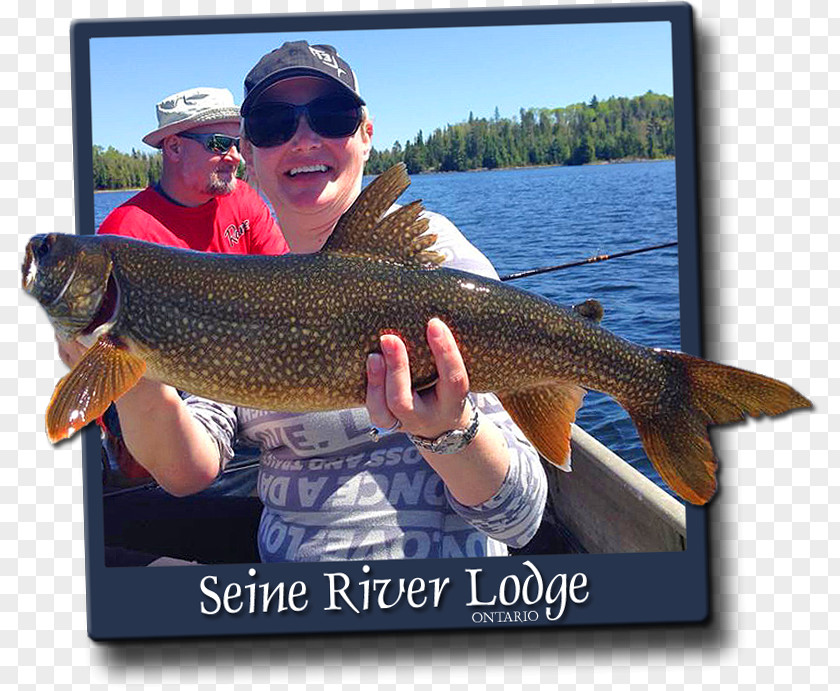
<point>191,108</point>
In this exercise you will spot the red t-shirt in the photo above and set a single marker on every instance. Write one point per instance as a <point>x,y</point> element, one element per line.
<point>236,223</point>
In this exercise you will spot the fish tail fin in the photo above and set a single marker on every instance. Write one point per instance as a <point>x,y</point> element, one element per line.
<point>545,414</point>
<point>697,393</point>
<point>105,372</point>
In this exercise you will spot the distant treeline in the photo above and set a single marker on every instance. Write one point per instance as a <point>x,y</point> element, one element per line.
<point>639,127</point>
<point>114,170</point>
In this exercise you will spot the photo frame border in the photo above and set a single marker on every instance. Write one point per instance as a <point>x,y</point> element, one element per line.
<point>622,588</point>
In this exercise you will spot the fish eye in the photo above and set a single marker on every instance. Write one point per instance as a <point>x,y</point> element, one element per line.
<point>42,249</point>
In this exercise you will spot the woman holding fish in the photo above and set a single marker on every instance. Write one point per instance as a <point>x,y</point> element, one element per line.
<point>314,332</point>
<point>451,475</point>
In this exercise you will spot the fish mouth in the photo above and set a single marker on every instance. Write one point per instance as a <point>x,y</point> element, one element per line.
<point>312,168</point>
<point>37,249</point>
<point>29,270</point>
<point>108,310</point>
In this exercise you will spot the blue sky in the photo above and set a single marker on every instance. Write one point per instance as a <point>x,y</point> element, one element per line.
<point>412,79</point>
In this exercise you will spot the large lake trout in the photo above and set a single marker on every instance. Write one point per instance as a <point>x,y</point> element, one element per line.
<point>292,333</point>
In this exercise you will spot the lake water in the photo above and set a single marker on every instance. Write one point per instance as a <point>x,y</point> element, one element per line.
<point>527,218</point>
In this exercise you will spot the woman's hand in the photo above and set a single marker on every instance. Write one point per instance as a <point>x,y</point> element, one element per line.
<point>428,413</point>
<point>474,474</point>
<point>70,352</point>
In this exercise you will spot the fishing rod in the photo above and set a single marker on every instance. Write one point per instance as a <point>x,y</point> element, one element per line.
<point>590,260</point>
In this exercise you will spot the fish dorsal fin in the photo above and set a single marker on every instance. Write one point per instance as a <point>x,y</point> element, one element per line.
<point>364,229</point>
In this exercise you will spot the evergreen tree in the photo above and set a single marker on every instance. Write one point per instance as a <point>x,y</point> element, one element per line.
<point>114,170</point>
<point>584,152</point>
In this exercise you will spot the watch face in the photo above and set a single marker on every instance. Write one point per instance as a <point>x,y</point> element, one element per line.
<point>449,442</point>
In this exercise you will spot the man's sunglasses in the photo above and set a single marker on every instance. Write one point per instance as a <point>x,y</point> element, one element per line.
<point>214,143</point>
<point>332,116</point>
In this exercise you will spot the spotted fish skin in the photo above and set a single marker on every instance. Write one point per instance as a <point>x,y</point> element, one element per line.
<point>292,333</point>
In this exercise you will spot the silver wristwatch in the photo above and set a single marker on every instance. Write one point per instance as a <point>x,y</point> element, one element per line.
<point>453,441</point>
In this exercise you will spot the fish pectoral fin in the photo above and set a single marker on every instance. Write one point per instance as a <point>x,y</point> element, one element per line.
<point>545,414</point>
<point>106,371</point>
<point>365,229</point>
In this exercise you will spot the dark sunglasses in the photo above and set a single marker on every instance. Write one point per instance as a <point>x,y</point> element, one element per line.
<point>214,143</point>
<point>332,116</point>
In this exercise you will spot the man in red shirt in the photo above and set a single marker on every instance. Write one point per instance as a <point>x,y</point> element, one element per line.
<point>198,204</point>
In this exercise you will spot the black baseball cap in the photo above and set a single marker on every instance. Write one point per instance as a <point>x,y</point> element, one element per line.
<point>298,59</point>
